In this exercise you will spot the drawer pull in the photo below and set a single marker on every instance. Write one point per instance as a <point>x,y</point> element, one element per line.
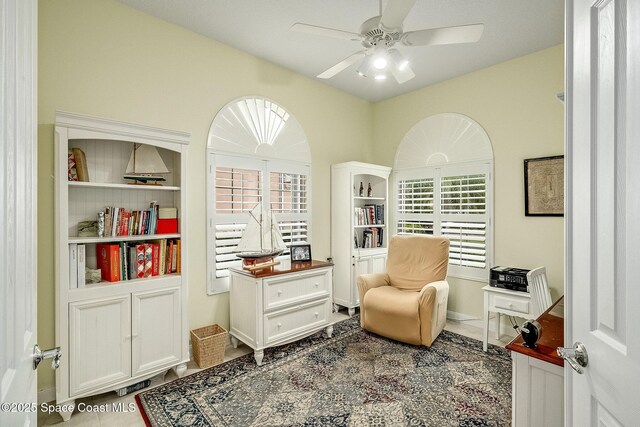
<point>279,292</point>
<point>316,314</point>
<point>279,325</point>
<point>316,284</point>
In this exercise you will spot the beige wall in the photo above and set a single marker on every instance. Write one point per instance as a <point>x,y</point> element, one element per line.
<point>104,59</point>
<point>515,102</point>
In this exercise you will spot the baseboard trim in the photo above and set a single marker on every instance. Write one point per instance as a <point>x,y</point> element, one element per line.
<point>46,395</point>
<point>459,316</point>
<point>506,327</point>
<point>468,320</point>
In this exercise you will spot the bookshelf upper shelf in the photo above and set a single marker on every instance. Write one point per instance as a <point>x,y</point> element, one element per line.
<point>139,237</point>
<point>368,198</point>
<point>80,184</point>
<point>369,226</point>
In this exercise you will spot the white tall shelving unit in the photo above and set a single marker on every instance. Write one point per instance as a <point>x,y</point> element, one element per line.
<point>114,334</point>
<point>349,260</point>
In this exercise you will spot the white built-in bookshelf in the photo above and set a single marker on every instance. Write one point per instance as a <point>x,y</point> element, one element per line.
<point>116,333</point>
<point>358,227</point>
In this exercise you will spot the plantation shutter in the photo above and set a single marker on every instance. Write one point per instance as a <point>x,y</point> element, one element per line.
<point>415,203</point>
<point>463,207</point>
<point>290,199</point>
<point>240,184</point>
<point>239,187</point>
<point>451,201</point>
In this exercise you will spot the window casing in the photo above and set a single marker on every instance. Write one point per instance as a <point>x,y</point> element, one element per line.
<point>453,201</point>
<point>239,183</point>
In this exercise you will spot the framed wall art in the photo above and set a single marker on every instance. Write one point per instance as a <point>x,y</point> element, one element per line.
<point>544,186</point>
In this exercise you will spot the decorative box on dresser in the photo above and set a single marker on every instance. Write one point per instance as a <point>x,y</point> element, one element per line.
<point>352,221</point>
<point>279,304</point>
<point>538,374</point>
<point>113,334</point>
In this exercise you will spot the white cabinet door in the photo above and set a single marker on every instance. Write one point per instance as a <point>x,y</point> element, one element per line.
<point>156,338</point>
<point>362,266</point>
<point>379,263</point>
<point>100,352</point>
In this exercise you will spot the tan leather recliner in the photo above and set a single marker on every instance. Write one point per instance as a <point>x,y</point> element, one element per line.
<point>409,302</point>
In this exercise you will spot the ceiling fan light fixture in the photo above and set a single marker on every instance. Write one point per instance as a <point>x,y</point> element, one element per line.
<point>399,61</point>
<point>380,77</point>
<point>380,58</point>
<point>380,63</point>
<point>365,66</point>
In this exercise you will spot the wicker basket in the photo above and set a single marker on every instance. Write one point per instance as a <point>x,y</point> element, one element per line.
<point>208,345</point>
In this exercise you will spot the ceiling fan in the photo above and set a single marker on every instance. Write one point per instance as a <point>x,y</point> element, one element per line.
<point>379,36</point>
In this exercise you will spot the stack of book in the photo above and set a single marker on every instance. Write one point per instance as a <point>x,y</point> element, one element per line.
<point>120,222</point>
<point>137,260</point>
<point>167,221</point>
<point>369,215</point>
<point>372,237</point>
<point>77,264</point>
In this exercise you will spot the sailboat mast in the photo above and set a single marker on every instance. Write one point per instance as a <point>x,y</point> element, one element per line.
<point>134,157</point>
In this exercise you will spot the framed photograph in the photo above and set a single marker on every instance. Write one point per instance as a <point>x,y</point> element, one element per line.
<point>544,186</point>
<point>300,252</point>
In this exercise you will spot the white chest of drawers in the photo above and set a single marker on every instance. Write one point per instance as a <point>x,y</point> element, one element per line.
<point>280,304</point>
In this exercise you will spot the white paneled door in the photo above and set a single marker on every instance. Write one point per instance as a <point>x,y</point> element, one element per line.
<point>18,26</point>
<point>603,211</point>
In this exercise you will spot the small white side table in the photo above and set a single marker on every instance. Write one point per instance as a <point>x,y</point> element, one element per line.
<point>503,301</point>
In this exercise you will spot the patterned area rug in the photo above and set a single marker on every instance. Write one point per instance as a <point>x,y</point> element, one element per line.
<point>353,379</point>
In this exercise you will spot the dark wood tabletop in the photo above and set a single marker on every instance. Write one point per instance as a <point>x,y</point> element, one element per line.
<point>284,267</point>
<point>552,322</point>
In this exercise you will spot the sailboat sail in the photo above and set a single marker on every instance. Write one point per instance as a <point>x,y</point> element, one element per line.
<point>262,235</point>
<point>145,164</point>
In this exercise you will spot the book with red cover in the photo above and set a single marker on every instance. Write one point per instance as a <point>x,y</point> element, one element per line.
<point>108,257</point>
<point>155,259</point>
<point>167,226</point>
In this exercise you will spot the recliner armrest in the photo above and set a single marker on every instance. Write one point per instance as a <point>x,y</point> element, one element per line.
<point>433,310</point>
<point>367,282</point>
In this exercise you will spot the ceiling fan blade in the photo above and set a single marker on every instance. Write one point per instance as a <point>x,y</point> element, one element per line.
<point>394,14</point>
<point>403,75</point>
<point>446,35</point>
<point>323,31</point>
<point>345,63</point>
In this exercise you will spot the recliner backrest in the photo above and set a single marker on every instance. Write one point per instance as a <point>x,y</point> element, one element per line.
<point>414,260</point>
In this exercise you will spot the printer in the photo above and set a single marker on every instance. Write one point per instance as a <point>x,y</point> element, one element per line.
<point>511,278</point>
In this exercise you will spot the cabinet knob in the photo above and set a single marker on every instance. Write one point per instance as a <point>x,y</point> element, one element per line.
<point>279,325</point>
<point>316,284</point>
<point>279,292</point>
<point>316,313</point>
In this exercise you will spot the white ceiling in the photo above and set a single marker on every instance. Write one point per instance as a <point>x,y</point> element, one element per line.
<point>261,27</point>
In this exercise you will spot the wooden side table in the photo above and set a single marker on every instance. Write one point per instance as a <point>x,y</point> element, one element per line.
<point>503,301</point>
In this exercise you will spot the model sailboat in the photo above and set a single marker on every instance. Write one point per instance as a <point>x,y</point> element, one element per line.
<point>145,165</point>
<point>261,240</point>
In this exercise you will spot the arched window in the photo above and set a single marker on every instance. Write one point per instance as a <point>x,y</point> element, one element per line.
<point>443,186</point>
<point>257,153</point>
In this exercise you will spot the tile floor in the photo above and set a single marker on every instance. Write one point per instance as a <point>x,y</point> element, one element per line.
<point>133,418</point>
